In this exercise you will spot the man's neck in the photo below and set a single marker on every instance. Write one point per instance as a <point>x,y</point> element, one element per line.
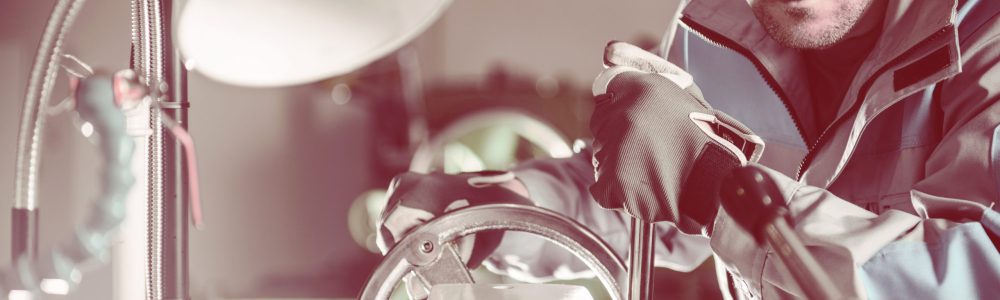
<point>845,56</point>
<point>831,70</point>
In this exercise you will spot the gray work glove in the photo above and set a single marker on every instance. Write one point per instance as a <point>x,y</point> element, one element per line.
<point>660,150</point>
<point>414,199</point>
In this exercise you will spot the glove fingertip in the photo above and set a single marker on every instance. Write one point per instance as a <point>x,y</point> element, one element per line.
<point>601,195</point>
<point>608,52</point>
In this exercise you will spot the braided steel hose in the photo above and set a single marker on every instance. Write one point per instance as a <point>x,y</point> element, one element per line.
<point>145,61</point>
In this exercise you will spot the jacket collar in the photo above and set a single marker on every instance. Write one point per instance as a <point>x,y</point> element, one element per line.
<point>910,35</point>
<point>903,29</point>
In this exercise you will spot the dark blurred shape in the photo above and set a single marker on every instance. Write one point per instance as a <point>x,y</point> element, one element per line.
<point>753,199</point>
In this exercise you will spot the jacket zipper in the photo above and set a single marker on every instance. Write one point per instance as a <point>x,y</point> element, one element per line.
<point>811,154</point>
<point>721,41</point>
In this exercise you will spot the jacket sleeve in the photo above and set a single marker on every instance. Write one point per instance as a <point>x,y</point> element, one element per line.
<point>561,185</point>
<point>945,251</point>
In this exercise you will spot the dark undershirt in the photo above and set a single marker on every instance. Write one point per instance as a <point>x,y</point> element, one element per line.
<point>830,72</point>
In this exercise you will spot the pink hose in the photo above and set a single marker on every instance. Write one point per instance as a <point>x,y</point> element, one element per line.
<point>192,166</point>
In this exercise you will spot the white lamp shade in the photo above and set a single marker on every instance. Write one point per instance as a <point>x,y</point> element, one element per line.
<point>268,43</point>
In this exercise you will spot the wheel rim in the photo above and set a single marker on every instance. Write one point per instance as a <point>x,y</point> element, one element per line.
<point>568,234</point>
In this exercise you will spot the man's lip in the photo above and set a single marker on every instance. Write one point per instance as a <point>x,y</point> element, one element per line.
<point>796,3</point>
<point>796,9</point>
<point>797,12</point>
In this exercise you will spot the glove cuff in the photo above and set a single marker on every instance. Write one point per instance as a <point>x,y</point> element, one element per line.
<point>733,145</point>
<point>699,205</point>
<point>730,135</point>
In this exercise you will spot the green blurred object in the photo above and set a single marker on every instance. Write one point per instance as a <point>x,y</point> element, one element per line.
<point>458,158</point>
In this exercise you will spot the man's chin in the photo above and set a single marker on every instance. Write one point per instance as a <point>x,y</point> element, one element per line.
<point>793,36</point>
<point>808,43</point>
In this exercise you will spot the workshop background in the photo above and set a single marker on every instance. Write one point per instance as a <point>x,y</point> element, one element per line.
<point>281,166</point>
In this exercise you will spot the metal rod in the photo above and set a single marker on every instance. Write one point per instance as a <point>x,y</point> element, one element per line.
<point>174,239</point>
<point>641,261</point>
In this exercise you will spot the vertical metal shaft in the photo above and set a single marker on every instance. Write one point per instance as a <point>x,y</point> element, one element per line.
<point>641,261</point>
<point>174,238</point>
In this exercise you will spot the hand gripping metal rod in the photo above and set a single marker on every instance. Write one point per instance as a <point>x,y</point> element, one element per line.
<point>642,247</point>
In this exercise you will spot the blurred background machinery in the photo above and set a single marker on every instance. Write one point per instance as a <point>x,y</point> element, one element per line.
<point>282,166</point>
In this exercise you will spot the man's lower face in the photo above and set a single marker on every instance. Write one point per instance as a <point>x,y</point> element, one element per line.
<point>808,24</point>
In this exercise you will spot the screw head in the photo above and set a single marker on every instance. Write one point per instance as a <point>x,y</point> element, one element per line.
<point>426,247</point>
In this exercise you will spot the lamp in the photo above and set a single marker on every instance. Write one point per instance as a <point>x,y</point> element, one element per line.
<point>265,43</point>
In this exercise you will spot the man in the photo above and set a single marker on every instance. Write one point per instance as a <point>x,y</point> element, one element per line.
<point>880,120</point>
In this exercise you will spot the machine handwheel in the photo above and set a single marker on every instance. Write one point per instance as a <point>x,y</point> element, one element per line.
<point>428,251</point>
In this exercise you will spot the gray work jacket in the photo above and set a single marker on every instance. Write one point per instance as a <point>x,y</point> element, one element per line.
<point>894,198</point>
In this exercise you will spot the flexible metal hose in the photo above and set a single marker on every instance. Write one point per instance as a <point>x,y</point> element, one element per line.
<point>58,271</point>
<point>40,84</point>
<point>24,213</point>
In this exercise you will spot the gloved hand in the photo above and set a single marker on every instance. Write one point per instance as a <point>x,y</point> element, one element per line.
<point>660,150</point>
<point>414,199</point>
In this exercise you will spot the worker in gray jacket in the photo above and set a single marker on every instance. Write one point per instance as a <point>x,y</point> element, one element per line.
<point>879,120</point>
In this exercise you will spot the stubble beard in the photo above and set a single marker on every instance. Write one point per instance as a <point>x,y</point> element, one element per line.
<point>799,36</point>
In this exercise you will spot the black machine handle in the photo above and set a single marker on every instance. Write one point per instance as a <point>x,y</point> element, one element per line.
<point>753,200</point>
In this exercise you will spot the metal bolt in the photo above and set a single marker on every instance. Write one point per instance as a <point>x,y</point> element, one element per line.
<point>426,247</point>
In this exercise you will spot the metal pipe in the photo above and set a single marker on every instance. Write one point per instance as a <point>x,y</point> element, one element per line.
<point>641,261</point>
<point>174,235</point>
